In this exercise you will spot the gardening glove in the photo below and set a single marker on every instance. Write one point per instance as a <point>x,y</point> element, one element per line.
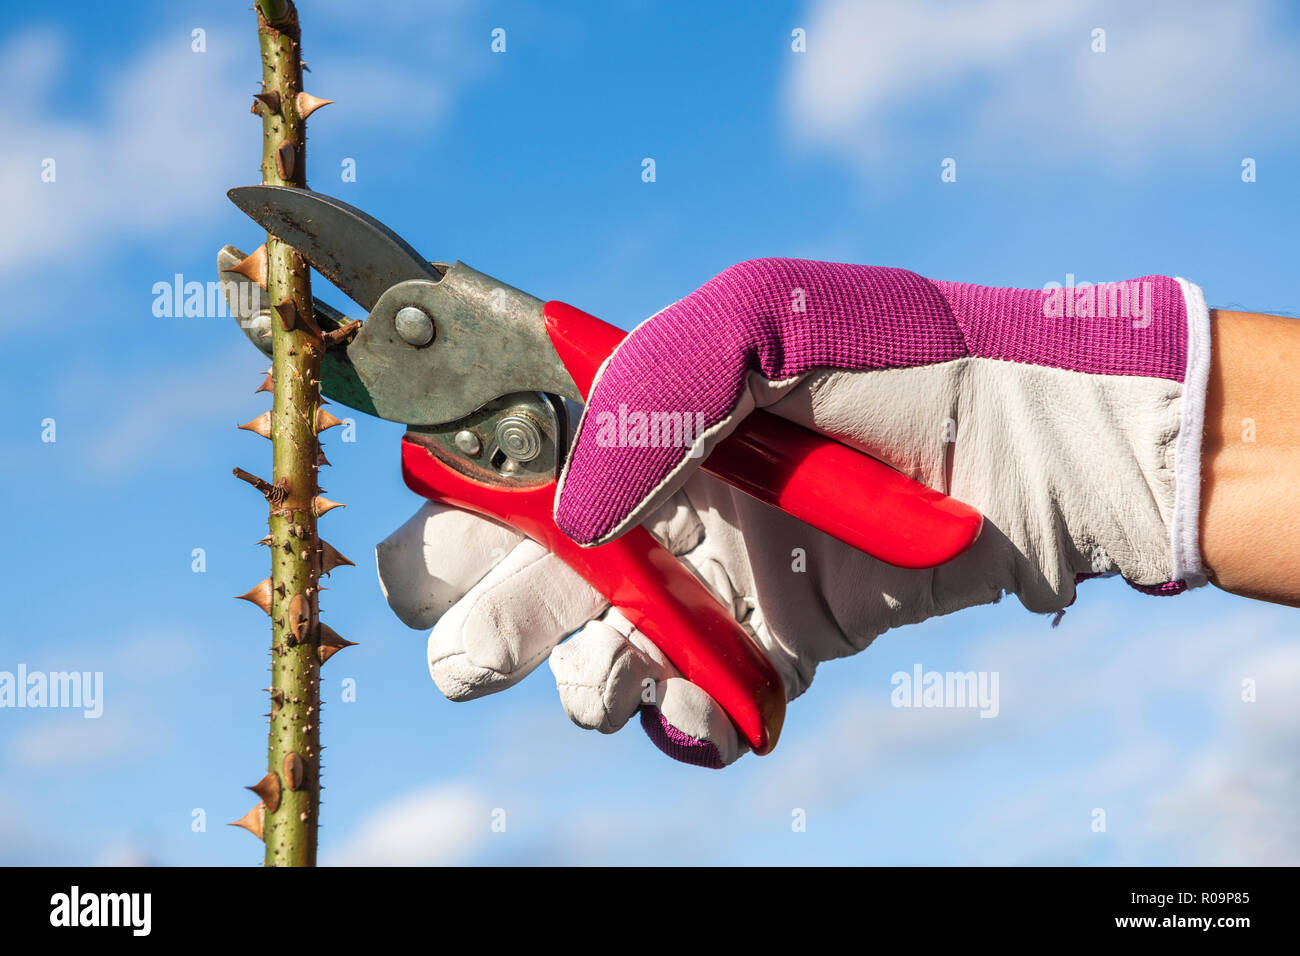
<point>500,603</point>
<point>1071,418</point>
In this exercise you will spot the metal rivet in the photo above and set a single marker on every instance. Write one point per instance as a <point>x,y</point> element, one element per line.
<point>414,326</point>
<point>467,442</point>
<point>519,438</point>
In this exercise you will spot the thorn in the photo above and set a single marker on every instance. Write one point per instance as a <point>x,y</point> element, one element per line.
<point>324,420</point>
<point>294,770</point>
<point>271,99</point>
<point>321,505</point>
<point>267,386</point>
<point>259,595</point>
<point>252,821</point>
<point>330,558</point>
<point>331,643</point>
<point>288,312</point>
<point>268,788</point>
<point>308,104</point>
<point>253,266</point>
<point>321,460</point>
<point>266,541</point>
<point>290,318</point>
<point>299,617</point>
<point>277,701</point>
<point>284,159</point>
<point>261,424</point>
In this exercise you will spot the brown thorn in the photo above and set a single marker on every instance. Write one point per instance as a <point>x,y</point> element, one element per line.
<point>299,617</point>
<point>288,312</point>
<point>253,266</point>
<point>284,160</point>
<point>268,788</point>
<point>331,558</point>
<point>266,541</point>
<point>268,385</point>
<point>261,424</point>
<point>324,420</point>
<point>291,318</point>
<point>331,643</point>
<point>308,104</point>
<point>294,771</point>
<point>321,505</point>
<point>252,821</point>
<point>321,460</point>
<point>259,595</point>
<point>271,99</point>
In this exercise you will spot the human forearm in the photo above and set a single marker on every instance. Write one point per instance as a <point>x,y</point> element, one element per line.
<point>1250,521</point>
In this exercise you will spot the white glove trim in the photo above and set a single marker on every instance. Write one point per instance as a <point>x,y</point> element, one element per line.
<point>1186,524</point>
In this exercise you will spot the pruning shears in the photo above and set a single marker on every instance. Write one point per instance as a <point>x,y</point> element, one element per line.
<point>477,371</point>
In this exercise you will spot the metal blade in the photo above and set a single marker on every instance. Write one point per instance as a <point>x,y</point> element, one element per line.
<point>356,252</point>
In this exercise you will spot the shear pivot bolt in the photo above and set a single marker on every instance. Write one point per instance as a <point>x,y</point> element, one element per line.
<point>414,326</point>
<point>467,442</point>
<point>519,438</point>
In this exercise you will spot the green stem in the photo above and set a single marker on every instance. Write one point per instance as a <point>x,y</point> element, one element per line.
<point>293,748</point>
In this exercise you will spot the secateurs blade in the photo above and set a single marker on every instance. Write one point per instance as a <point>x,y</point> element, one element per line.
<point>478,370</point>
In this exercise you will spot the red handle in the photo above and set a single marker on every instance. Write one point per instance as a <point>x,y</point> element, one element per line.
<point>885,514</point>
<point>824,483</point>
<point>657,593</point>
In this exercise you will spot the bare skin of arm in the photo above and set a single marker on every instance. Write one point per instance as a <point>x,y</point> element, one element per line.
<point>1250,493</point>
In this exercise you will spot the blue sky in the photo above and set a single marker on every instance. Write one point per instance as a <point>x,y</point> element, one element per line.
<point>527,164</point>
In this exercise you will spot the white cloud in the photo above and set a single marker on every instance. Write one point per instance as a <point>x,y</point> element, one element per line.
<point>156,146</point>
<point>70,741</point>
<point>1105,695</point>
<point>436,825</point>
<point>131,727</point>
<point>1234,805</point>
<point>1090,716</point>
<point>882,79</point>
<point>148,149</point>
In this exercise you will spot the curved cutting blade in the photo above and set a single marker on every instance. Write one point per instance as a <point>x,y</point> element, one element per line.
<point>356,252</point>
